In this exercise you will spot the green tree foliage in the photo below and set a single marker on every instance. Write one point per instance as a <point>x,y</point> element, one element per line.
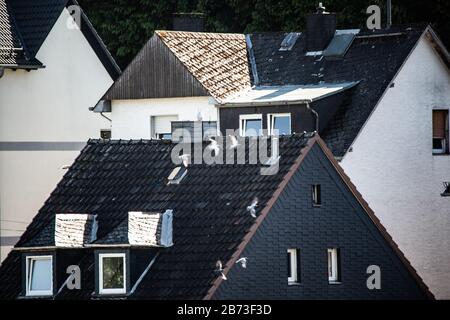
<point>125,25</point>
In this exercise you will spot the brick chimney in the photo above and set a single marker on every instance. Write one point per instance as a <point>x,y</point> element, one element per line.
<point>320,29</point>
<point>188,22</point>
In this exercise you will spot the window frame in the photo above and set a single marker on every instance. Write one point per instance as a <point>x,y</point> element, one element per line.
<point>28,276</point>
<point>444,141</point>
<point>114,291</point>
<point>293,277</point>
<point>316,195</point>
<point>335,272</point>
<point>243,122</point>
<point>271,121</point>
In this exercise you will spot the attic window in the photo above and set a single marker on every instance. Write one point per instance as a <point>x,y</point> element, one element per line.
<point>289,41</point>
<point>316,195</point>
<point>440,132</point>
<point>333,265</point>
<point>293,266</point>
<point>177,175</point>
<point>39,275</point>
<point>112,273</point>
<point>280,122</point>
<point>250,125</point>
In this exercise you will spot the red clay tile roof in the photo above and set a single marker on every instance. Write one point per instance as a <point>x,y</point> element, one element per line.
<point>217,60</point>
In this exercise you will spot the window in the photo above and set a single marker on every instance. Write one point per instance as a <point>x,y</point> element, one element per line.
<point>112,273</point>
<point>161,126</point>
<point>177,174</point>
<point>209,129</point>
<point>440,132</point>
<point>39,276</point>
<point>280,122</point>
<point>250,125</point>
<point>316,195</point>
<point>105,134</point>
<point>293,266</point>
<point>333,265</point>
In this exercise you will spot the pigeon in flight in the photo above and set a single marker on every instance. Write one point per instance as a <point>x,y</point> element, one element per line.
<point>219,269</point>
<point>234,142</point>
<point>214,146</point>
<point>252,208</point>
<point>243,262</point>
<point>185,159</point>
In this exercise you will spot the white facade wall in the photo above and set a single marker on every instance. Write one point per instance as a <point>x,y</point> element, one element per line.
<point>46,105</point>
<point>131,118</point>
<point>393,167</point>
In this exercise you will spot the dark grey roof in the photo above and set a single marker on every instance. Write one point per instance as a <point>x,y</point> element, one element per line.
<point>24,26</point>
<point>373,61</point>
<point>210,221</point>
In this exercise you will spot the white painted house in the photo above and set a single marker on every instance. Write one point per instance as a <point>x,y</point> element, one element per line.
<point>51,72</point>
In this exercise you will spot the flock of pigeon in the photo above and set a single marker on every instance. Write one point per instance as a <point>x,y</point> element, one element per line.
<point>214,146</point>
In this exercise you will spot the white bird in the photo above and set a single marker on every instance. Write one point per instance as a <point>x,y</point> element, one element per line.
<point>199,116</point>
<point>219,269</point>
<point>185,159</point>
<point>252,207</point>
<point>234,142</point>
<point>243,262</point>
<point>214,146</point>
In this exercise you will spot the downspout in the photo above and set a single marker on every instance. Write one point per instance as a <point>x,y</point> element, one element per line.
<point>101,113</point>
<point>316,115</point>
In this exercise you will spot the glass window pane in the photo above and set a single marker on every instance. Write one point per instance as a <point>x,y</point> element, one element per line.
<point>253,127</point>
<point>282,124</point>
<point>41,274</point>
<point>113,273</point>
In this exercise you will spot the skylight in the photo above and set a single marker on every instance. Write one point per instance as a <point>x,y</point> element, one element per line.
<point>177,175</point>
<point>289,41</point>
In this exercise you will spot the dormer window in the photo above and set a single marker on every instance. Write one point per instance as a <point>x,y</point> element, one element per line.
<point>280,122</point>
<point>250,125</point>
<point>112,273</point>
<point>39,275</point>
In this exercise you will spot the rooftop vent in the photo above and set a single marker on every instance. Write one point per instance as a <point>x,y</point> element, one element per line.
<point>192,22</point>
<point>320,29</point>
<point>75,230</point>
<point>150,229</point>
<point>289,41</point>
<point>177,175</point>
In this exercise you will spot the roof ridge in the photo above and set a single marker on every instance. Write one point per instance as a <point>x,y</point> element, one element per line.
<point>200,34</point>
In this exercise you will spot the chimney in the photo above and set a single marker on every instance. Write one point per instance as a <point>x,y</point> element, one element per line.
<point>192,22</point>
<point>320,29</point>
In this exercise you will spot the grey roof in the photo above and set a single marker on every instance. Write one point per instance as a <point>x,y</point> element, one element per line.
<point>373,59</point>
<point>288,94</point>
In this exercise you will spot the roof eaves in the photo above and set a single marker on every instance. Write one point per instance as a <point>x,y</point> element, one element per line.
<point>374,218</point>
<point>438,45</point>
<point>259,220</point>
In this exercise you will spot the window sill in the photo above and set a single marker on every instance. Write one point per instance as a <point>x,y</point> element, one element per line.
<point>441,154</point>
<point>334,282</point>
<point>317,205</point>
<point>293,284</point>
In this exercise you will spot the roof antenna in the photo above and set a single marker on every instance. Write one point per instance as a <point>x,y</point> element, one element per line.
<point>389,14</point>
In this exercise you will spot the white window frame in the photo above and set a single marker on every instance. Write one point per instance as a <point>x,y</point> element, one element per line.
<point>270,121</point>
<point>333,254</point>
<point>243,122</point>
<point>293,277</point>
<point>102,290</point>
<point>28,276</point>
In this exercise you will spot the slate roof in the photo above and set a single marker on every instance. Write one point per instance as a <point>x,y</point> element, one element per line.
<point>25,24</point>
<point>210,220</point>
<point>373,58</point>
<point>217,60</point>
<point>209,207</point>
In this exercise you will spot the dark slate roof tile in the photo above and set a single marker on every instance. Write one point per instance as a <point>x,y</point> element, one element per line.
<point>209,208</point>
<point>373,61</point>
